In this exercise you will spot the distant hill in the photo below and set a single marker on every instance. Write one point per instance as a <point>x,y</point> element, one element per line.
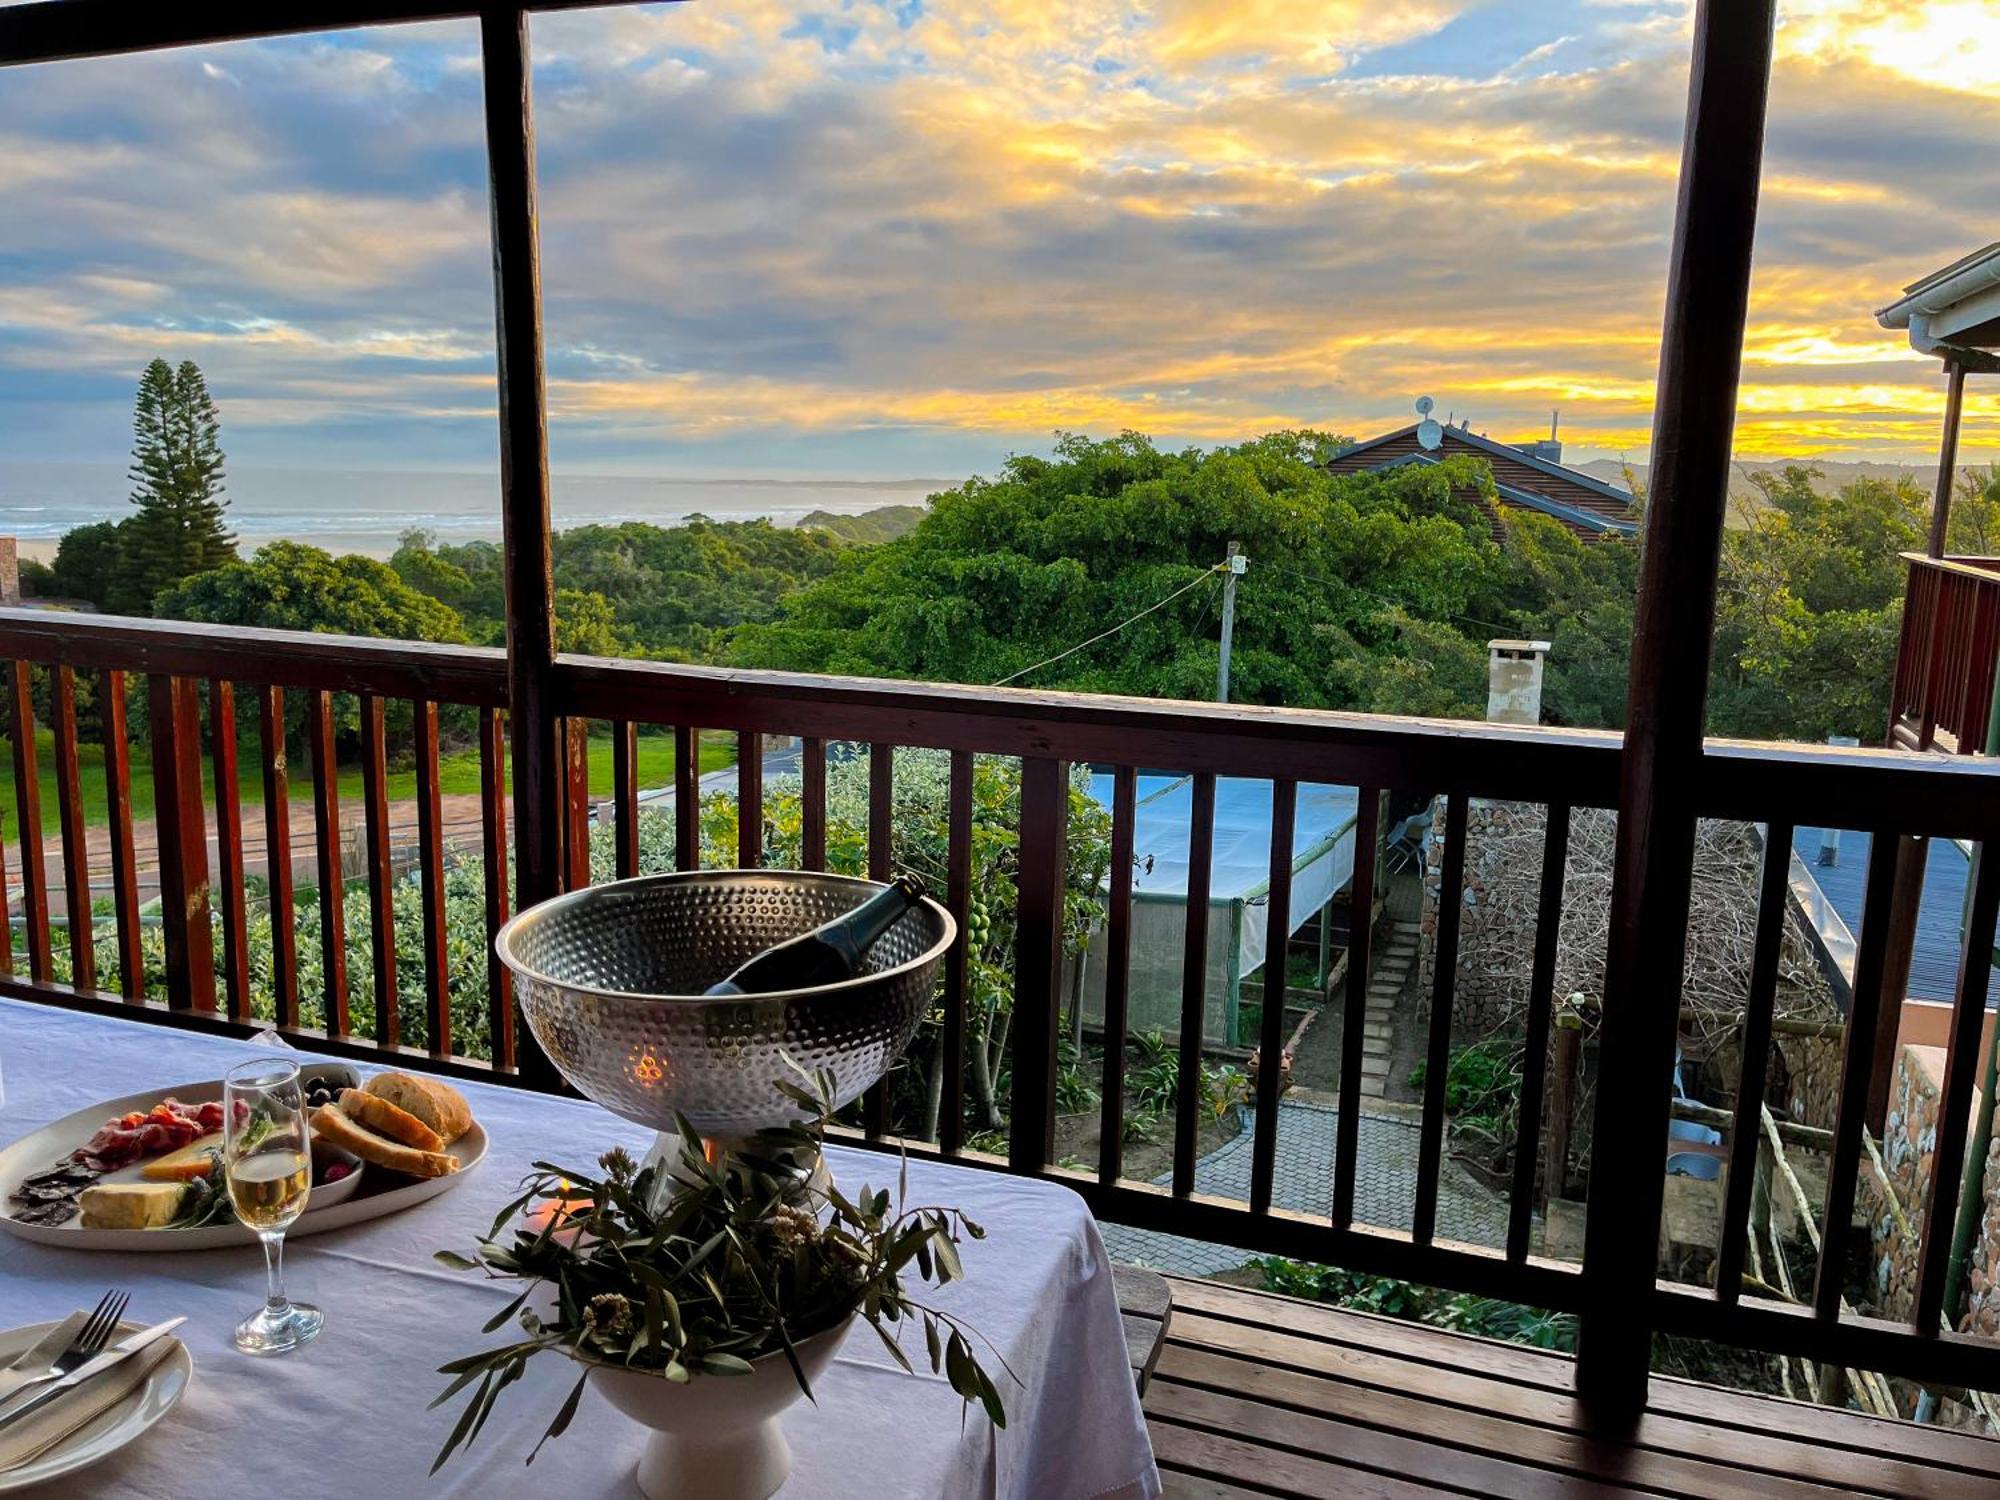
<point>1837,474</point>
<point>883,524</point>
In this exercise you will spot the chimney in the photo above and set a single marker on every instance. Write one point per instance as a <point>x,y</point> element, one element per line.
<point>1514,692</point>
<point>10,573</point>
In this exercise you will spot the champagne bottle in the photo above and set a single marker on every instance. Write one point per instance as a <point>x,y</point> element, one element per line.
<point>828,954</point>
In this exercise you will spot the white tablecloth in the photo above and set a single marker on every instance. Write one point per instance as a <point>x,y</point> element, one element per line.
<point>347,1414</point>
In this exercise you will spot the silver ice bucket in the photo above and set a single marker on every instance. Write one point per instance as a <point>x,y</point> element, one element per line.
<point>610,980</point>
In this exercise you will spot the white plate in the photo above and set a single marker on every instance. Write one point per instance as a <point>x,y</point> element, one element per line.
<point>108,1431</point>
<point>359,1197</point>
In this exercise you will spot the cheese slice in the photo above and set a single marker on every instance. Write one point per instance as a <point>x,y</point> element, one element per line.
<point>191,1161</point>
<point>130,1205</point>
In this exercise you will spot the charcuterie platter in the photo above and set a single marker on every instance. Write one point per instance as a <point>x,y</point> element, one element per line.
<point>144,1172</point>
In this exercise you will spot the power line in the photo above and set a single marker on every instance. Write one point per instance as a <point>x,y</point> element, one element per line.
<point>1208,576</point>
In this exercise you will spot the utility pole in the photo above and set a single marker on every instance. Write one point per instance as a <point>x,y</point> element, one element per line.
<point>1233,567</point>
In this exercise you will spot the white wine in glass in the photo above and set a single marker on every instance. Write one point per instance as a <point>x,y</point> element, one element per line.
<point>267,1162</point>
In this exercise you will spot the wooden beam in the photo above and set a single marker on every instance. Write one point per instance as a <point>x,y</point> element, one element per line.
<point>1701,352</point>
<point>60,29</point>
<point>524,473</point>
<point>1954,404</point>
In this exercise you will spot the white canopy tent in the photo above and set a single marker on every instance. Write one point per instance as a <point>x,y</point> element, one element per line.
<point>1239,893</point>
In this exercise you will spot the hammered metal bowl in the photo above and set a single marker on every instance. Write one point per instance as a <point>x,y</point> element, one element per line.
<point>610,980</point>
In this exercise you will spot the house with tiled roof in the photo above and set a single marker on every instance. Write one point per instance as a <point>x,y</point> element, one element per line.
<point>1526,476</point>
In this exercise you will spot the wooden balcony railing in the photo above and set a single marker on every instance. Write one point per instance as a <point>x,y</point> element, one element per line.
<point>1943,695</point>
<point>50,654</point>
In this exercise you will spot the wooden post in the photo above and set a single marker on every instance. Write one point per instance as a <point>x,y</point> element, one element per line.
<point>524,476</point>
<point>1954,403</point>
<point>1563,1085</point>
<point>1701,353</point>
<point>182,821</point>
<point>1900,946</point>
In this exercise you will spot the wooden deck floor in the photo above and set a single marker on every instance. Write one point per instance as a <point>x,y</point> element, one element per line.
<point>1263,1395</point>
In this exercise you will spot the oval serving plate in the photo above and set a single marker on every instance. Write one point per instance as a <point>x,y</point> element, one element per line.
<point>107,1432</point>
<point>367,1193</point>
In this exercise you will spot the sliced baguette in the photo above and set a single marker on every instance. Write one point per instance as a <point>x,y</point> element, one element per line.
<point>378,1150</point>
<point>436,1103</point>
<point>384,1118</point>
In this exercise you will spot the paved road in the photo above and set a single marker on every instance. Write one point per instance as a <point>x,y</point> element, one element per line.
<point>1385,1187</point>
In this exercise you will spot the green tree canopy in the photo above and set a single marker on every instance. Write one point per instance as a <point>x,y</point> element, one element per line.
<point>292,586</point>
<point>672,591</point>
<point>1811,605</point>
<point>1359,593</point>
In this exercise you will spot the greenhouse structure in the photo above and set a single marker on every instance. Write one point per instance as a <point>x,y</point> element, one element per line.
<point>1239,894</point>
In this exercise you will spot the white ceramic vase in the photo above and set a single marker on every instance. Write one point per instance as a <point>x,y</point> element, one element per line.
<point>717,1436</point>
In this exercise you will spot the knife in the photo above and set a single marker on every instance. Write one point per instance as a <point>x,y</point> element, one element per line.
<point>90,1368</point>
<point>37,1361</point>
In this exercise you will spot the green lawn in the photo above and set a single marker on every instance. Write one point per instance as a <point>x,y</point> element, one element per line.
<point>458,772</point>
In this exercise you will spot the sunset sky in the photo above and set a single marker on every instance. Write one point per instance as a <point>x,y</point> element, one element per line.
<point>909,238</point>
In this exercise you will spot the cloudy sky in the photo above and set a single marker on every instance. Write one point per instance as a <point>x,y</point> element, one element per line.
<point>907,238</point>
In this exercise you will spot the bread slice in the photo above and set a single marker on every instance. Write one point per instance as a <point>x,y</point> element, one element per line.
<point>384,1118</point>
<point>378,1150</point>
<point>436,1103</point>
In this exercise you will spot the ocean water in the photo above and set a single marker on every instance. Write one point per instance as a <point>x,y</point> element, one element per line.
<point>367,510</point>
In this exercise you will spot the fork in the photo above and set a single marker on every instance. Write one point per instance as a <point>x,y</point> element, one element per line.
<point>87,1345</point>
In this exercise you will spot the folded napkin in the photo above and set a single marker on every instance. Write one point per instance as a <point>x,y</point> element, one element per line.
<point>39,1356</point>
<point>25,1441</point>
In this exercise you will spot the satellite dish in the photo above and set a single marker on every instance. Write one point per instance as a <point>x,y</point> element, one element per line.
<point>1424,405</point>
<point>1429,434</point>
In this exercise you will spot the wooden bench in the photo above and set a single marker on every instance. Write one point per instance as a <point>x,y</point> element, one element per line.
<point>1147,1303</point>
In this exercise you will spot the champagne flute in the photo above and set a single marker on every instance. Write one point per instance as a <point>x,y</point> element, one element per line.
<point>267,1161</point>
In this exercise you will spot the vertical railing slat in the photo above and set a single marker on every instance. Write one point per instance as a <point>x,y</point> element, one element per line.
<point>749,799</point>
<point>812,796</point>
<point>625,793</point>
<point>181,817</point>
<point>493,860</point>
<point>28,806</point>
<point>1117,974</point>
<point>6,915</point>
<point>957,963</point>
<point>1961,1067</point>
<point>1271,1035</point>
<point>687,798</point>
<point>381,874</point>
<point>881,865</point>
<point>1535,1044</point>
<point>76,853</point>
<point>1856,1066</point>
<point>1194,982</point>
<point>278,855</point>
<point>575,742</point>
<point>229,869</point>
<point>124,856</point>
<point>430,879</point>
<point>1437,1056</point>
<point>1773,899</point>
<point>1038,961</point>
<point>1354,1018</point>
<point>326,848</point>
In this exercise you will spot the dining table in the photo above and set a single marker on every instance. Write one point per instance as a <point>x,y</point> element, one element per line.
<point>347,1415</point>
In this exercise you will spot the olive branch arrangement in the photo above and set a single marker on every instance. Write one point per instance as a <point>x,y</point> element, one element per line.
<point>744,1256</point>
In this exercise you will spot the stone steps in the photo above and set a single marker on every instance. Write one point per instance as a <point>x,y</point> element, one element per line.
<point>1395,961</point>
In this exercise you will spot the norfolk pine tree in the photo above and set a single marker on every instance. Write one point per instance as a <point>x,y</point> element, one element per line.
<point>177,476</point>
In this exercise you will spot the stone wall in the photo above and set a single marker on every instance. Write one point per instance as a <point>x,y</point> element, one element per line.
<point>1909,1141</point>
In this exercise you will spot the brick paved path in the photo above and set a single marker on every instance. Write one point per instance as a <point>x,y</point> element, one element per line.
<point>1384,1189</point>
